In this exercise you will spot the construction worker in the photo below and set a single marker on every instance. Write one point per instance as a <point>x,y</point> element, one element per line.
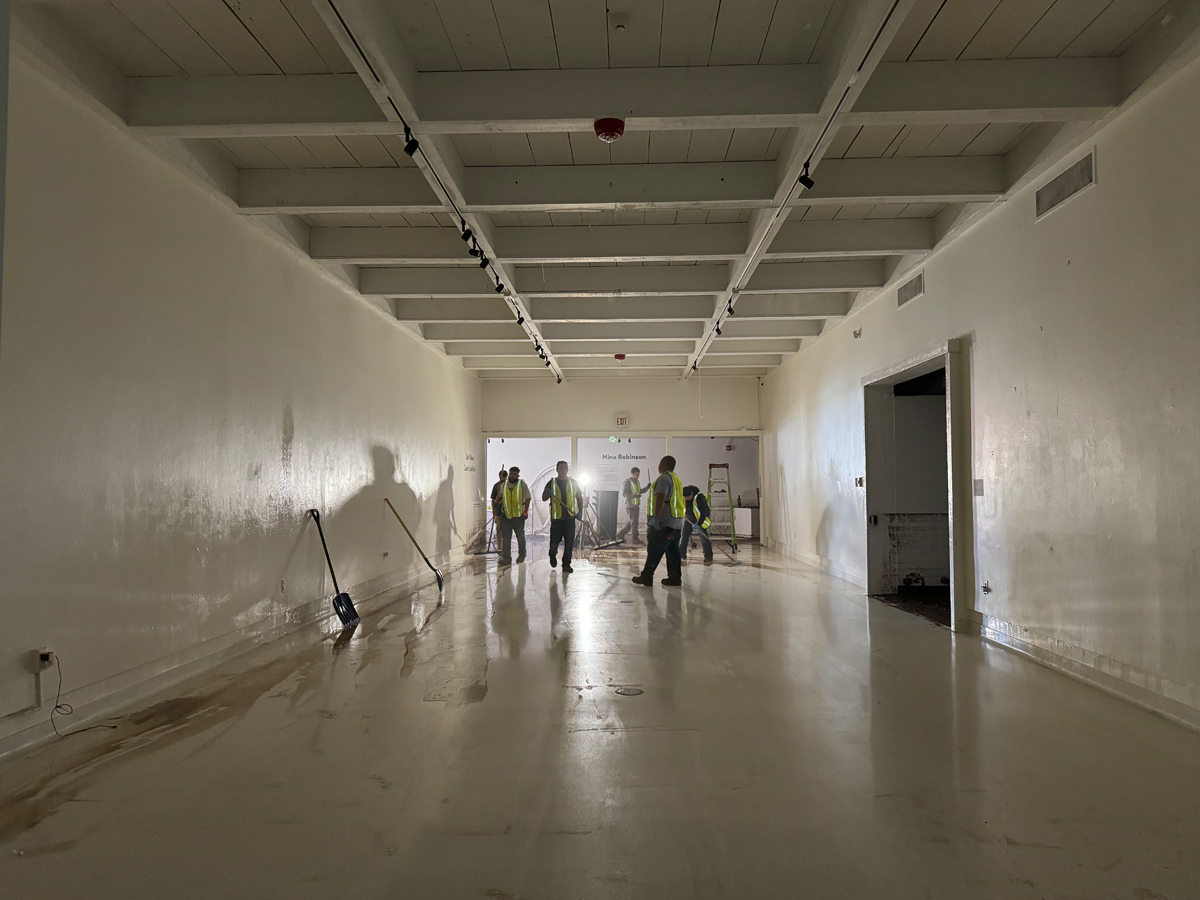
<point>566,506</point>
<point>496,489</point>
<point>696,518</point>
<point>631,490</point>
<point>514,511</point>
<point>665,526</point>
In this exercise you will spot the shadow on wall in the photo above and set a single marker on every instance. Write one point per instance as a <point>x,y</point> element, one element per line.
<point>366,534</point>
<point>443,515</point>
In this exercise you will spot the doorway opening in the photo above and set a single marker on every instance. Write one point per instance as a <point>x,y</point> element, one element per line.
<point>908,491</point>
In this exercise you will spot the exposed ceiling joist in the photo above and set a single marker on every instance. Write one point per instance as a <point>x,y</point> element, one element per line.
<point>738,185</point>
<point>668,98</point>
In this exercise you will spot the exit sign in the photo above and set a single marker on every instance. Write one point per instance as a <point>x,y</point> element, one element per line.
<point>623,420</point>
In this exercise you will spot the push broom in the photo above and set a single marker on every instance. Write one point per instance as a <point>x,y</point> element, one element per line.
<point>437,572</point>
<point>342,604</point>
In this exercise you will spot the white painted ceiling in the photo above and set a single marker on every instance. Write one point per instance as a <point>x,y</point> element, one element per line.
<point>913,112</point>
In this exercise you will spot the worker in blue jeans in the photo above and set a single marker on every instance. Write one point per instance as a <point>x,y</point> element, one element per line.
<point>696,518</point>
<point>664,526</point>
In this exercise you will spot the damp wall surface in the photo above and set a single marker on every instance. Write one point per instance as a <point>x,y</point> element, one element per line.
<point>176,389</point>
<point>1081,333</point>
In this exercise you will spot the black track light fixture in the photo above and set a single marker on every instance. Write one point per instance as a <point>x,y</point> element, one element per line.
<point>467,234</point>
<point>520,319</point>
<point>410,143</point>
<point>730,310</point>
<point>499,286</point>
<point>483,261</point>
<point>560,381</point>
<point>718,331</point>
<point>547,364</point>
<point>805,180</point>
<point>474,249</point>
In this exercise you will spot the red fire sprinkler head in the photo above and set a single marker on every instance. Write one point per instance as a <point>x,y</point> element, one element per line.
<point>620,356</point>
<point>609,130</point>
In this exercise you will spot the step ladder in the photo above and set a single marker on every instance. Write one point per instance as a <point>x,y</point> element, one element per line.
<point>720,502</point>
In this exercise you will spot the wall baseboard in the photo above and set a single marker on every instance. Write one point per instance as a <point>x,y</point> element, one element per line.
<point>1173,701</point>
<point>125,690</point>
<point>817,562</point>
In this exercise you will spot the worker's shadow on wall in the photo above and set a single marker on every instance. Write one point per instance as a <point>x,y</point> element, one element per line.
<point>365,529</point>
<point>444,521</point>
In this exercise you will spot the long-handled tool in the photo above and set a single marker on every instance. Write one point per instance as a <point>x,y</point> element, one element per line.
<point>440,580</point>
<point>342,604</point>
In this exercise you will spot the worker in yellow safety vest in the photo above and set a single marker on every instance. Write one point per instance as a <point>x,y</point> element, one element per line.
<point>665,526</point>
<point>696,518</point>
<point>631,490</point>
<point>566,506</point>
<point>514,511</point>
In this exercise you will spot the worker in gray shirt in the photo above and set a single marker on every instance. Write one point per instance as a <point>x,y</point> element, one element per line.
<point>664,527</point>
<point>631,490</point>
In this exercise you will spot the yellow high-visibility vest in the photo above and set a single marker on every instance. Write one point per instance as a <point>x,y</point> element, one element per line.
<point>635,492</point>
<point>696,509</point>
<point>556,509</point>
<point>512,499</point>
<point>678,504</point>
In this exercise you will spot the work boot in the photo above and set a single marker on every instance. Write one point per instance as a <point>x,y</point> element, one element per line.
<point>521,558</point>
<point>553,561</point>
<point>567,567</point>
<point>644,582</point>
<point>709,561</point>
<point>671,582</point>
<point>505,562</point>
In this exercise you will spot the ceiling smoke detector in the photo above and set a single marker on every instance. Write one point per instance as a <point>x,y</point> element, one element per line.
<point>609,130</point>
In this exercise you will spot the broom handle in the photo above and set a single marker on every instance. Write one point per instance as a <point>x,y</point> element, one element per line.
<point>406,531</point>
<point>317,518</point>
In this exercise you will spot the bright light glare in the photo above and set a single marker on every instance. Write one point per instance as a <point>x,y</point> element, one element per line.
<point>584,478</point>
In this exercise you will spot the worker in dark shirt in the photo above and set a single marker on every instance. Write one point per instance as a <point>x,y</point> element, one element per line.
<point>696,518</point>
<point>496,489</point>
<point>566,505</point>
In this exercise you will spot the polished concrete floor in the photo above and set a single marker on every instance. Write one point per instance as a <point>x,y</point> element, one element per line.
<point>792,740</point>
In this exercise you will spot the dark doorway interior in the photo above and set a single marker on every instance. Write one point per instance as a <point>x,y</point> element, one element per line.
<point>913,522</point>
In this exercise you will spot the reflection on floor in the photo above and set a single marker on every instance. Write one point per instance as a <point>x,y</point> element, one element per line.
<point>792,739</point>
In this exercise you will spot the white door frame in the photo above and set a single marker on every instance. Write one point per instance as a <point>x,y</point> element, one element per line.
<point>960,484</point>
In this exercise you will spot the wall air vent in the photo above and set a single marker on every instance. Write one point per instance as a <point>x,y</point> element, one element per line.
<point>1063,187</point>
<point>910,290</point>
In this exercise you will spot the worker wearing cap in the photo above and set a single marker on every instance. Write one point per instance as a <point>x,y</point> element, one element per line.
<point>496,489</point>
<point>566,505</point>
<point>696,518</point>
<point>514,511</point>
<point>631,490</point>
<point>665,526</point>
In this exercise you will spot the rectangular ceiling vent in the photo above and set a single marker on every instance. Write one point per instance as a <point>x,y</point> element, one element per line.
<point>1063,187</point>
<point>910,290</point>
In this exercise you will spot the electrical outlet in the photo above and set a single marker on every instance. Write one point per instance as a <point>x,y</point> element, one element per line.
<point>45,658</point>
<point>283,585</point>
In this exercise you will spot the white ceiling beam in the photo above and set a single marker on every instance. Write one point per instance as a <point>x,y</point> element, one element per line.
<point>985,91</point>
<point>788,306</point>
<point>502,362</point>
<point>598,362</point>
<point>452,310</point>
<point>771,328</point>
<point>622,243</point>
<point>412,281</point>
<point>851,237</point>
<point>520,348</point>
<point>718,360</point>
<point>836,275</point>
<point>726,345</point>
<point>621,309</point>
<point>954,179</point>
<point>614,281</point>
<point>631,349</point>
<point>667,98</point>
<point>931,179</point>
<point>558,332</point>
<point>469,331</point>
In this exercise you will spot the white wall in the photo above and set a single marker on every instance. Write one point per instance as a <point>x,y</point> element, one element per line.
<point>1082,333</point>
<point>176,388</point>
<point>589,405</point>
<point>693,454</point>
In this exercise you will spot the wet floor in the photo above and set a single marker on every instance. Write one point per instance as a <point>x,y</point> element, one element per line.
<point>792,739</point>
